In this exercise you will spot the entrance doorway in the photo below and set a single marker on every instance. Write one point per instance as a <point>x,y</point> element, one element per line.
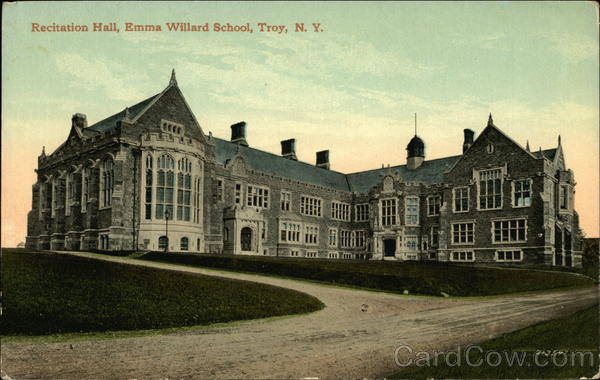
<point>389,247</point>
<point>246,239</point>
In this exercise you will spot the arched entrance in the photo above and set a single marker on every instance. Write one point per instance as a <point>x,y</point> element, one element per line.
<point>246,239</point>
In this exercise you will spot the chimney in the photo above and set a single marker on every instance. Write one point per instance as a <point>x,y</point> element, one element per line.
<point>288,149</point>
<point>323,159</point>
<point>238,133</point>
<point>469,138</point>
<point>79,120</point>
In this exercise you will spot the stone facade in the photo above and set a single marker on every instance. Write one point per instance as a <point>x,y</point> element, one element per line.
<point>148,178</point>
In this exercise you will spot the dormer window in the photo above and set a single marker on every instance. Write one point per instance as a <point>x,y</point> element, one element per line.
<point>171,127</point>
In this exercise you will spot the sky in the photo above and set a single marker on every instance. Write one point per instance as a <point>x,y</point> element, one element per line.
<point>353,87</point>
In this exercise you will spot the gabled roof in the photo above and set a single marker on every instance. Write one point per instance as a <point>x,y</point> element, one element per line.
<point>429,172</point>
<point>111,121</point>
<point>278,165</point>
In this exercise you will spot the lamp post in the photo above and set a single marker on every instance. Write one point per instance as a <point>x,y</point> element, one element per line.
<point>167,215</point>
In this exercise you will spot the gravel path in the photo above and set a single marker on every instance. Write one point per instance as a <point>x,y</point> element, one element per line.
<point>354,336</point>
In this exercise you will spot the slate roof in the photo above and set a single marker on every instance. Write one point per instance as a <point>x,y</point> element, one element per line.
<point>283,167</point>
<point>429,172</point>
<point>111,121</point>
<point>548,153</point>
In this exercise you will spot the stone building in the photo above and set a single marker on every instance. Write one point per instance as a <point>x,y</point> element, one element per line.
<point>149,178</point>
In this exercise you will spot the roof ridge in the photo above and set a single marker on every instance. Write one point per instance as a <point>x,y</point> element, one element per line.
<point>398,166</point>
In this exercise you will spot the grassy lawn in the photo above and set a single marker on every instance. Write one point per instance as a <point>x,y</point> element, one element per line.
<point>427,278</point>
<point>555,342</point>
<point>46,293</point>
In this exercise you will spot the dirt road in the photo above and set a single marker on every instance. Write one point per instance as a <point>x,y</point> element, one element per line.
<point>354,336</point>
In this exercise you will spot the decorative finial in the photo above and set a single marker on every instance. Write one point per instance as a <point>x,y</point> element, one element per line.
<point>173,79</point>
<point>44,151</point>
<point>127,114</point>
<point>527,146</point>
<point>415,123</point>
<point>490,120</point>
<point>558,139</point>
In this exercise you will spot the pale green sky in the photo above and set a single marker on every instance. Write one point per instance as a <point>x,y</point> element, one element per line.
<point>352,88</point>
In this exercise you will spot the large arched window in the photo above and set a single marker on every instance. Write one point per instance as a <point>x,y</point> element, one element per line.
<point>107,182</point>
<point>163,243</point>
<point>149,180</point>
<point>165,183</point>
<point>184,189</point>
<point>184,244</point>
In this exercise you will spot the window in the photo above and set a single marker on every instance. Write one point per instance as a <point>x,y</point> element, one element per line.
<point>197,199</point>
<point>41,200</point>
<point>388,212</point>
<point>333,236</point>
<point>295,253</point>
<point>362,212</point>
<point>85,187</point>
<point>311,234</point>
<point>149,183</point>
<point>462,256</point>
<point>237,195</point>
<point>171,127</point>
<point>490,148</point>
<point>522,193</point>
<point>411,211</point>
<point>563,197</point>
<point>411,243</point>
<point>165,183</point>
<point>509,255</point>
<point>425,243</point>
<point>490,189</point>
<point>257,196</point>
<point>463,233</point>
<point>312,254</point>
<point>435,236</point>
<point>359,239</point>
<point>340,211</point>
<point>54,197</point>
<point>70,193</point>
<point>506,231</point>
<point>184,189</point>
<point>286,199</point>
<point>184,244</point>
<point>433,205</point>
<point>310,206</point>
<point>163,243</point>
<point>289,232</point>
<point>461,199</point>
<point>345,239</point>
<point>104,242</point>
<point>332,255</point>
<point>347,256</point>
<point>107,182</point>
<point>220,189</point>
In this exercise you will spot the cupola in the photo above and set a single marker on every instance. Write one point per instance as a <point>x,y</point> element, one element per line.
<point>415,151</point>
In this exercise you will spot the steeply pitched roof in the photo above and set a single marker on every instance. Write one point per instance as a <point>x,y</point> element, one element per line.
<point>111,121</point>
<point>429,172</point>
<point>548,153</point>
<point>283,167</point>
